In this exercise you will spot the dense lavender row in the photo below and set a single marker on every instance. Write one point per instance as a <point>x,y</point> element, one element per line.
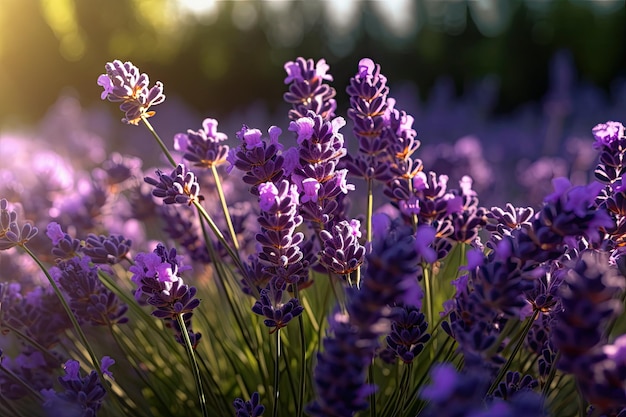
<point>312,293</point>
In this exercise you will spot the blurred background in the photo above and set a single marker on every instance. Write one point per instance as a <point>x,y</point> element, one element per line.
<point>504,90</point>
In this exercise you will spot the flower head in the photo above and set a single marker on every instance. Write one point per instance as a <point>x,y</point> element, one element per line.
<point>123,83</point>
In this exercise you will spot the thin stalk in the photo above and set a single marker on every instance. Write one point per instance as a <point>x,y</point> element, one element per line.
<point>23,383</point>
<point>370,208</point>
<point>516,349</point>
<point>276,373</point>
<point>220,193</point>
<point>403,389</point>
<point>30,340</point>
<point>216,231</point>
<point>300,406</point>
<point>194,365</point>
<point>428,289</point>
<point>166,152</point>
<point>370,377</point>
<point>13,411</point>
<point>72,318</point>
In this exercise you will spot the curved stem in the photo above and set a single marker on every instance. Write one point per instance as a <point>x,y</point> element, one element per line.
<point>166,152</point>
<point>220,193</point>
<point>194,364</point>
<point>68,310</point>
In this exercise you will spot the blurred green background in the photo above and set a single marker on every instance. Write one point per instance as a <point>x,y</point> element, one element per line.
<point>223,55</point>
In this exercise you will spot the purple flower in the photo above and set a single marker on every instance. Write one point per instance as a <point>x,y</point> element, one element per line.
<point>124,83</point>
<point>340,376</point>
<point>408,333</point>
<point>607,133</point>
<point>179,187</point>
<point>203,148</point>
<point>279,249</point>
<point>269,305</point>
<point>106,249</point>
<point>589,299</point>
<point>260,160</point>
<point>252,408</point>
<point>342,253</point>
<point>82,395</point>
<point>157,275</point>
<point>89,299</point>
<point>11,234</point>
<point>307,91</point>
<point>54,232</point>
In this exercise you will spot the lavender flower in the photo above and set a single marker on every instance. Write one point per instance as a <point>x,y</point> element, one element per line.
<point>252,408</point>
<point>307,91</point>
<point>204,147</point>
<point>589,298</point>
<point>408,333</point>
<point>123,83</point>
<point>324,187</point>
<point>65,246</point>
<point>90,300</point>
<point>106,249</point>
<point>159,284</point>
<point>179,187</point>
<point>353,337</point>
<point>11,234</point>
<point>259,159</point>
<point>342,253</point>
<point>269,305</point>
<point>279,242</point>
<point>82,395</point>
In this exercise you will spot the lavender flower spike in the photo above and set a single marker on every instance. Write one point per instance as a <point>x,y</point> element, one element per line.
<point>124,83</point>
<point>180,187</point>
<point>10,233</point>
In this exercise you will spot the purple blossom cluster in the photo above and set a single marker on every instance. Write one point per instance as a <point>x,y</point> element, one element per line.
<point>159,284</point>
<point>532,296</point>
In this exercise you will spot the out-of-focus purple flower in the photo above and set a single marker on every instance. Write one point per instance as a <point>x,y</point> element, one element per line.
<point>408,333</point>
<point>179,187</point>
<point>589,297</point>
<point>307,90</point>
<point>106,249</point>
<point>123,83</point>
<point>321,147</point>
<point>203,148</point>
<point>82,395</point>
<point>252,408</point>
<point>89,299</point>
<point>340,376</point>
<point>607,133</point>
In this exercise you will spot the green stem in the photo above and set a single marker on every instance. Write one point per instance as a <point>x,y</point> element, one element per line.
<point>276,373</point>
<point>216,231</point>
<point>516,349</point>
<point>300,406</point>
<point>70,314</point>
<point>194,364</point>
<point>166,152</point>
<point>428,289</point>
<point>23,383</point>
<point>220,193</point>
